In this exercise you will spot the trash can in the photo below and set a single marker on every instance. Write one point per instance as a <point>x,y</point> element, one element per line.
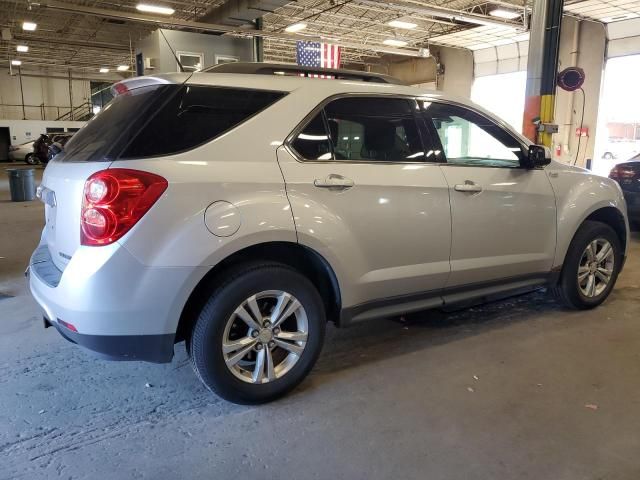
<point>22,184</point>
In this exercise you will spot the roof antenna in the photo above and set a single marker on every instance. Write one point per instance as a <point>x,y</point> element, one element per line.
<point>172,51</point>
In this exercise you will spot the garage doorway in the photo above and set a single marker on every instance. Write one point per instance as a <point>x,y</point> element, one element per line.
<point>5,143</point>
<point>503,95</point>
<point>618,133</point>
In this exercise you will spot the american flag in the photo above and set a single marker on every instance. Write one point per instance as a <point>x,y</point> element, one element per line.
<point>317,54</point>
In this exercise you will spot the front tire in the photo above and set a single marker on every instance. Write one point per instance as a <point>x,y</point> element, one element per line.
<point>591,266</point>
<point>31,159</point>
<point>259,334</point>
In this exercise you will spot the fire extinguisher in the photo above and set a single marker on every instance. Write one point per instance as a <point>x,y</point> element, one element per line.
<point>558,149</point>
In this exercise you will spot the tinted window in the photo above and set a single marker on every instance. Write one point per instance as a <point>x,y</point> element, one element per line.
<point>312,142</point>
<point>115,124</point>
<point>161,120</point>
<point>373,129</point>
<point>469,138</point>
<point>196,115</point>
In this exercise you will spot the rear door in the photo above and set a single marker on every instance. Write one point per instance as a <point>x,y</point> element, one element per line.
<point>503,215</point>
<point>363,196</point>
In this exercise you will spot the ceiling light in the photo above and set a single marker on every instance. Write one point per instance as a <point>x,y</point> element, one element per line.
<point>123,68</point>
<point>104,70</point>
<point>16,63</point>
<point>401,24</point>
<point>30,26</point>
<point>22,48</point>
<point>296,27</point>
<point>143,7</point>
<point>394,42</point>
<point>506,14</point>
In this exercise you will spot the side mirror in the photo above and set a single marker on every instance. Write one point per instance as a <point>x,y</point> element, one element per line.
<point>537,156</point>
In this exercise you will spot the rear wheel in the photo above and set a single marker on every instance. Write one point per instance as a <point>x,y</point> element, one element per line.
<point>591,266</point>
<point>259,334</point>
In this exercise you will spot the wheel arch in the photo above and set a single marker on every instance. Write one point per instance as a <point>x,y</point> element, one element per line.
<point>609,215</point>
<point>302,258</point>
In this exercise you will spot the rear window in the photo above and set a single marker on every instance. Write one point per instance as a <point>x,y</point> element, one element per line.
<point>163,120</point>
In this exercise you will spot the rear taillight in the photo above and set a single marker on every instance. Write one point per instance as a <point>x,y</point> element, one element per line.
<point>113,202</point>
<point>620,172</point>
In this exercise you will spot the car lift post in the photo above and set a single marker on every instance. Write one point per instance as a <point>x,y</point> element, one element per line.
<point>542,71</point>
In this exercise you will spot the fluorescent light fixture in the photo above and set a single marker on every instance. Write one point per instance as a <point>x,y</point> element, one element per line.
<point>144,7</point>
<point>402,24</point>
<point>16,63</point>
<point>395,42</point>
<point>506,14</point>
<point>29,26</point>
<point>22,48</point>
<point>123,68</point>
<point>104,70</point>
<point>296,27</point>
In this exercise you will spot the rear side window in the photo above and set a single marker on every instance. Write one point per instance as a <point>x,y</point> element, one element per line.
<point>313,141</point>
<point>163,120</point>
<point>362,129</point>
<point>196,115</point>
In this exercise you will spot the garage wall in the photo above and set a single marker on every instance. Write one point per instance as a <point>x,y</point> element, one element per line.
<point>568,113</point>
<point>44,89</point>
<point>21,131</point>
<point>458,71</point>
<point>155,48</point>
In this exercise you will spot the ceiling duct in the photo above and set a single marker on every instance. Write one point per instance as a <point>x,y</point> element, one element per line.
<point>241,12</point>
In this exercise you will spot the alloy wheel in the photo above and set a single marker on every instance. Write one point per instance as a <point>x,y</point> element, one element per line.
<point>596,267</point>
<point>265,336</point>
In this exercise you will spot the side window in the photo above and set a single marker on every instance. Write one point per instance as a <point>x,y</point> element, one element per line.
<point>191,116</point>
<point>470,139</point>
<point>373,129</point>
<point>312,143</point>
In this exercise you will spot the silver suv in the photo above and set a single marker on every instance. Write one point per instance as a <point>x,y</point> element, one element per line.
<point>240,212</point>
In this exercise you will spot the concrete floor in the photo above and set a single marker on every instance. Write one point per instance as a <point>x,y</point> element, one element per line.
<point>498,392</point>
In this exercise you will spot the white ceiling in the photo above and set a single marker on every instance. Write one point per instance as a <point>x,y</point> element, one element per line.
<point>605,10</point>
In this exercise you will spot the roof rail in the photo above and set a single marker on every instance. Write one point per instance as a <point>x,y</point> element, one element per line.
<point>258,68</point>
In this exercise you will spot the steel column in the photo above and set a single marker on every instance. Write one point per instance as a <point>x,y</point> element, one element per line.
<point>542,68</point>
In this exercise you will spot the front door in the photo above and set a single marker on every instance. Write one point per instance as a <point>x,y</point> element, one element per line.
<point>503,215</point>
<point>364,197</point>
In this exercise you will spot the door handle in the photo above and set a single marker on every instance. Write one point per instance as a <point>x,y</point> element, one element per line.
<point>334,181</point>
<point>468,186</point>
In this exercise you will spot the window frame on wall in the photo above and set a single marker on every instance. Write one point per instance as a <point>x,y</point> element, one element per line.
<point>189,68</point>
<point>320,109</point>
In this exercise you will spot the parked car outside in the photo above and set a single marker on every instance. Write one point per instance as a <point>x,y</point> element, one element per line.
<point>21,153</point>
<point>627,174</point>
<point>241,212</point>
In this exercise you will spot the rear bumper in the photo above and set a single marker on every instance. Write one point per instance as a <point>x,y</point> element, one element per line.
<point>148,348</point>
<point>108,302</point>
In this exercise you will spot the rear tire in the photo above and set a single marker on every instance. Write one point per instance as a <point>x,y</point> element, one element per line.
<point>267,367</point>
<point>583,283</point>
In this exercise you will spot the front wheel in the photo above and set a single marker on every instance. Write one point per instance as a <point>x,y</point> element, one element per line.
<point>591,266</point>
<point>31,159</point>
<point>259,334</point>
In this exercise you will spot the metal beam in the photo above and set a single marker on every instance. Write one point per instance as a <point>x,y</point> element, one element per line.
<point>441,12</point>
<point>210,27</point>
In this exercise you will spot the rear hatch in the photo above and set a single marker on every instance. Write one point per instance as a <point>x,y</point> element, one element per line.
<point>90,150</point>
<point>149,117</point>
